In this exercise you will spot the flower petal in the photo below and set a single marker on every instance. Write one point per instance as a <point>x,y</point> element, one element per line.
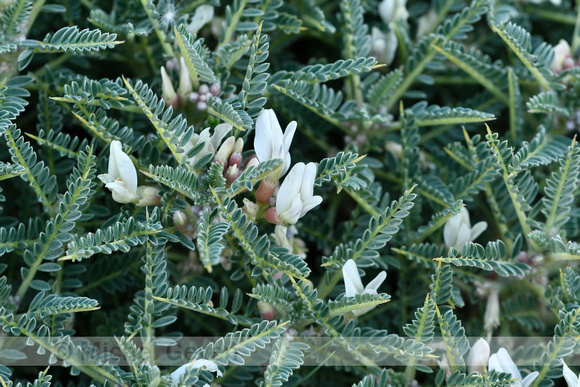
<point>569,375</point>
<point>462,237</point>
<point>352,283</point>
<point>478,356</point>
<point>374,284</point>
<point>291,214</point>
<point>477,229</point>
<point>290,188</point>
<point>219,133</point>
<point>310,204</point>
<point>508,364</point>
<point>528,380</point>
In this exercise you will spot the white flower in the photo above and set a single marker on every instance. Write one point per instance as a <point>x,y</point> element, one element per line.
<point>121,178</point>
<point>384,46</point>
<point>502,362</point>
<point>296,195</point>
<point>478,356</point>
<point>202,364</point>
<point>571,379</point>
<point>458,231</point>
<point>353,284</point>
<point>562,57</point>
<point>426,23</point>
<point>491,317</point>
<point>269,143</point>
<point>203,15</point>
<point>184,79</point>
<point>211,141</point>
<point>393,10</point>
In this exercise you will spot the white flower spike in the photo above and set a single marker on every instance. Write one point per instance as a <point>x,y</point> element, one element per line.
<point>502,362</point>
<point>571,378</point>
<point>121,178</point>
<point>202,364</point>
<point>296,195</point>
<point>478,357</point>
<point>458,231</point>
<point>270,143</point>
<point>353,284</point>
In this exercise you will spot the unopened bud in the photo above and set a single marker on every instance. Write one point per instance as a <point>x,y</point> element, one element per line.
<point>180,220</point>
<point>478,357</point>
<point>184,79</point>
<point>148,196</point>
<point>203,89</point>
<point>201,106</point>
<point>235,159</point>
<point>267,311</point>
<point>167,90</point>
<point>223,154</point>
<point>239,145</point>
<point>271,216</point>
<point>250,209</point>
<point>215,89</point>
<point>232,173</point>
<point>265,191</point>
<point>253,162</point>
<point>193,97</point>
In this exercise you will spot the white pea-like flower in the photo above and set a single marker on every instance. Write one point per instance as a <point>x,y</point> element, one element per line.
<point>353,284</point>
<point>121,178</point>
<point>502,362</point>
<point>211,141</point>
<point>296,195</point>
<point>478,356</point>
<point>270,143</point>
<point>572,380</point>
<point>458,231</point>
<point>393,10</point>
<point>562,57</point>
<point>203,15</point>
<point>384,46</point>
<point>202,364</point>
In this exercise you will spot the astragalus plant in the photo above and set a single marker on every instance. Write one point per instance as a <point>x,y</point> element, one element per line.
<point>201,193</point>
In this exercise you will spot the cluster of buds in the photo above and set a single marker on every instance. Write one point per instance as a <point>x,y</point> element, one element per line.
<point>121,180</point>
<point>201,97</point>
<point>230,156</point>
<point>185,93</point>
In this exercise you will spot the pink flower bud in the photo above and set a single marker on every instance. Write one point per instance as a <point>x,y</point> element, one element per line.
<point>193,97</point>
<point>267,311</point>
<point>271,216</point>
<point>215,89</point>
<point>201,106</point>
<point>265,191</point>
<point>235,159</point>
<point>232,174</point>
<point>203,89</point>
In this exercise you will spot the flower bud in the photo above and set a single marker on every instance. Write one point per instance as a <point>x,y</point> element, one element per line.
<point>250,209</point>
<point>215,89</point>
<point>267,311</point>
<point>491,316</point>
<point>184,79</point>
<point>235,159</point>
<point>223,154</point>
<point>203,89</point>
<point>253,162</point>
<point>193,97</point>
<point>180,220</point>
<point>478,357</point>
<point>562,52</point>
<point>271,216</point>
<point>232,174</point>
<point>148,196</point>
<point>202,106</point>
<point>265,191</point>
<point>167,90</point>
